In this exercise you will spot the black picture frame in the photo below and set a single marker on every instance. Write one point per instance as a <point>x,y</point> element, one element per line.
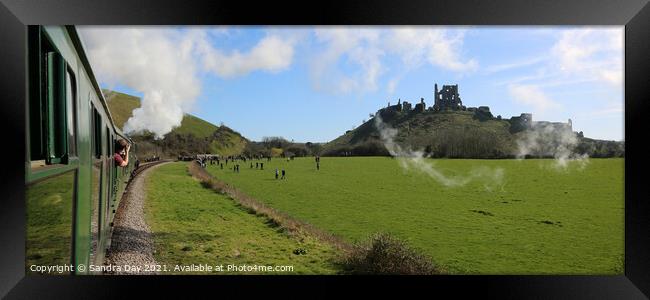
<point>634,15</point>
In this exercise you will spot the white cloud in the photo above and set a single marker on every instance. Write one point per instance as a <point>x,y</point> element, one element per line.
<point>436,46</point>
<point>595,54</point>
<point>532,96</point>
<point>163,64</point>
<point>580,55</point>
<point>613,109</point>
<point>271,54</point>
<point>364,49</point>
<point>515,65</point>
<point>392,85</point>
<point>360,48</point>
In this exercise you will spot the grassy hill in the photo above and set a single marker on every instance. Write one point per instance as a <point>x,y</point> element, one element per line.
<point>453,134</point>
<point>227,142</point>
<point>442,134</point>
<point>196,126</point>
<point>192,136</point>
<point>121,106</point>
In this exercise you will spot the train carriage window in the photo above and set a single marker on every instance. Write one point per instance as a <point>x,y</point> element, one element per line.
<point>107,180</point>
<point>109,151</point>
<point>96,222</point>
<point>71,105</point>
<point>36,108</point>
<point>56,108</point>
<point>52,105</point>
<point>97,132</point>
<point>110,159</point>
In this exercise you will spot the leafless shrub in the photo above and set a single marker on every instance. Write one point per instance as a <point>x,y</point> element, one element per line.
<point>385,254</point>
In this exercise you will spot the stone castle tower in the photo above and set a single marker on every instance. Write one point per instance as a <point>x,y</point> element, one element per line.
<point>447,98</point>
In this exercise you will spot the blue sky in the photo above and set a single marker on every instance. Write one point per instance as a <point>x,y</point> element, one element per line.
<point>314,83</point>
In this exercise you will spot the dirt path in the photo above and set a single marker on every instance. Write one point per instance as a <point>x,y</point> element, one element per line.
<point>132,243</point>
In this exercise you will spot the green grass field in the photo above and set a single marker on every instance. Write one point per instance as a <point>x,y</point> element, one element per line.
<point>537,221</point>
<point>195,225</point>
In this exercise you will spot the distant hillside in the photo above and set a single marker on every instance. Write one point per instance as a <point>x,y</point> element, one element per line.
<point>453,134</point>
<point>227,142</point>
<point>121,106</point>
<point>194,135</point>
<point>445,134</point>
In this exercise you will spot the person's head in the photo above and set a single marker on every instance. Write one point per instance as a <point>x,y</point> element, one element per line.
<point>120,145</point>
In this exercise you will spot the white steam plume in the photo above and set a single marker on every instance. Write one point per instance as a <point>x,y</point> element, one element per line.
<point>558,141</point>
<point>409,159</point>
<point>157,62</point>
<point>163,63</point>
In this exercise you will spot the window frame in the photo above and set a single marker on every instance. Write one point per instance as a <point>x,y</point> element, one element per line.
<point>47,148</point>
<point>56,120</point>
<point>97,140</point>
<point>74,110</point>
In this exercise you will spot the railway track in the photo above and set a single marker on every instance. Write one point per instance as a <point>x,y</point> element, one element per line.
<point>145,166</point>
<point>131,241</point>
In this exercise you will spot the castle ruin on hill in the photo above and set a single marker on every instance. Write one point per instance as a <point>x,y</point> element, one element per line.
<point>448,99</point>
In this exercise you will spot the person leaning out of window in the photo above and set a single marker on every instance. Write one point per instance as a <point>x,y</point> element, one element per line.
<point>121,156</point>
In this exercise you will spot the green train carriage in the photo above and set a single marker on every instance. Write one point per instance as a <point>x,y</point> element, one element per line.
<point>72,185</point>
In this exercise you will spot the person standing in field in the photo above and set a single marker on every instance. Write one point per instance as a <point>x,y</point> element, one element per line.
<point>276,173</point>
<point>261,166</point>
<point>283,173</point>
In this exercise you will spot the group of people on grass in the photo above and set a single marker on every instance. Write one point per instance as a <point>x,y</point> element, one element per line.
<point>279,173</point>
<point>122,148</point>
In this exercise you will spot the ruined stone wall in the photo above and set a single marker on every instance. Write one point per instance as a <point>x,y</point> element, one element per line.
<point>447,98</point>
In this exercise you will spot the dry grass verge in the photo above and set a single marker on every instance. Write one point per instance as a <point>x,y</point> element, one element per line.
<point>276,218</point>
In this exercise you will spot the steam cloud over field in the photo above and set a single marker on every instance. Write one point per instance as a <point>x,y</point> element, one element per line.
<point>548,140</point>
<point>415,160</point>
